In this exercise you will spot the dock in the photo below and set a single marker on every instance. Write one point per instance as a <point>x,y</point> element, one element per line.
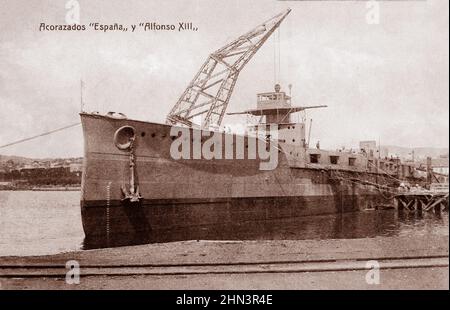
<point>403,262</point>
<point>423,200</point>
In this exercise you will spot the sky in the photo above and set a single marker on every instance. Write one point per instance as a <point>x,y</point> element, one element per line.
<point>386,82</point>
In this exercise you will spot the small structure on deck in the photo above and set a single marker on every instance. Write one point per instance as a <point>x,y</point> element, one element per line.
<point>275,107</point>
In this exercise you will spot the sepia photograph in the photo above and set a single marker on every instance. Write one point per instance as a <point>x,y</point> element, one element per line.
<point>224,150</point>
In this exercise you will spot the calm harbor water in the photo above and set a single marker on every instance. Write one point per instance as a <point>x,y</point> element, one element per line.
<point>38,223</point>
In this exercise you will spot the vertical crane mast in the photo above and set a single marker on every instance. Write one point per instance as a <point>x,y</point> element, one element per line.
<point>210,90</point>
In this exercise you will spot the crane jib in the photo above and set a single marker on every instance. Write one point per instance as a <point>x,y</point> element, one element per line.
<point>210,90</point>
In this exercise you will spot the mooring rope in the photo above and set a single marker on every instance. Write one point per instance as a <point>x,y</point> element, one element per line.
<point>358,181</point>
<point>38,136</point>
<point>388,174</point>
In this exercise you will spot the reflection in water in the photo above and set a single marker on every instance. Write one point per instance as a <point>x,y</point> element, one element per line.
<point>38,223</point>
<point>366,224</point>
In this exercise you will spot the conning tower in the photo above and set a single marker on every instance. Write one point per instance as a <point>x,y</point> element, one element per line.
<point>276,108</point>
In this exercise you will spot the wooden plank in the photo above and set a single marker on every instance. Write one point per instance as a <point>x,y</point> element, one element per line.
<point>436,202</point>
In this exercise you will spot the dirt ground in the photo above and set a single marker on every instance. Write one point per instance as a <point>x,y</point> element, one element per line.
<point>399,263</point>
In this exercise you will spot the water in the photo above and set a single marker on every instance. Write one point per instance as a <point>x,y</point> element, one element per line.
<point>38,223</point>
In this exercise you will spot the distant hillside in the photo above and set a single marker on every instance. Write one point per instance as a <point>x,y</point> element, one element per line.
<point>17,162</point>
<point>4,158</point>
<point>16,159</point>
<point>419,152</point>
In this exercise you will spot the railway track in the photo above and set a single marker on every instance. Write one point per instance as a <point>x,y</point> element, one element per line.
<point>293,266</point>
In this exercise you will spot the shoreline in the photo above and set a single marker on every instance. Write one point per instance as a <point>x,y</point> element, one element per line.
<point>44,189</point>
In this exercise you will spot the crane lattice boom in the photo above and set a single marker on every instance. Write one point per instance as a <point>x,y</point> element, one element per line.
<point>210,90</point>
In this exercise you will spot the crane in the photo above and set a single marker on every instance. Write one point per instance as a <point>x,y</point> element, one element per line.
<point>210,90</point>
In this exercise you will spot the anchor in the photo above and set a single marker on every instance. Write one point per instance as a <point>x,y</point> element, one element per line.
<point>132,194</point>
<point>124,139</point>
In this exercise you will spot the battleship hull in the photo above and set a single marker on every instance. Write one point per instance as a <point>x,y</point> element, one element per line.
<point>177,193</point>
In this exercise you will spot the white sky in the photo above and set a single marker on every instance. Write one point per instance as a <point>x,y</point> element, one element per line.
<point>387,81</point>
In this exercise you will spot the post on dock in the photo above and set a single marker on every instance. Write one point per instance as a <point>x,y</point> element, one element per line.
<point>429,172</point>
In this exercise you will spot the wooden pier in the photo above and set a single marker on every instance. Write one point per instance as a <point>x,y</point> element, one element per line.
<point>425,200</point>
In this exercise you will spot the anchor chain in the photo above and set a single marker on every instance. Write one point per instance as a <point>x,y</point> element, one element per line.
<point>132,194</point>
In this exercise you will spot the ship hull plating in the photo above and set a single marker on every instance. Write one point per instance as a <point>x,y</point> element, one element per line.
<point>193,192</point>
